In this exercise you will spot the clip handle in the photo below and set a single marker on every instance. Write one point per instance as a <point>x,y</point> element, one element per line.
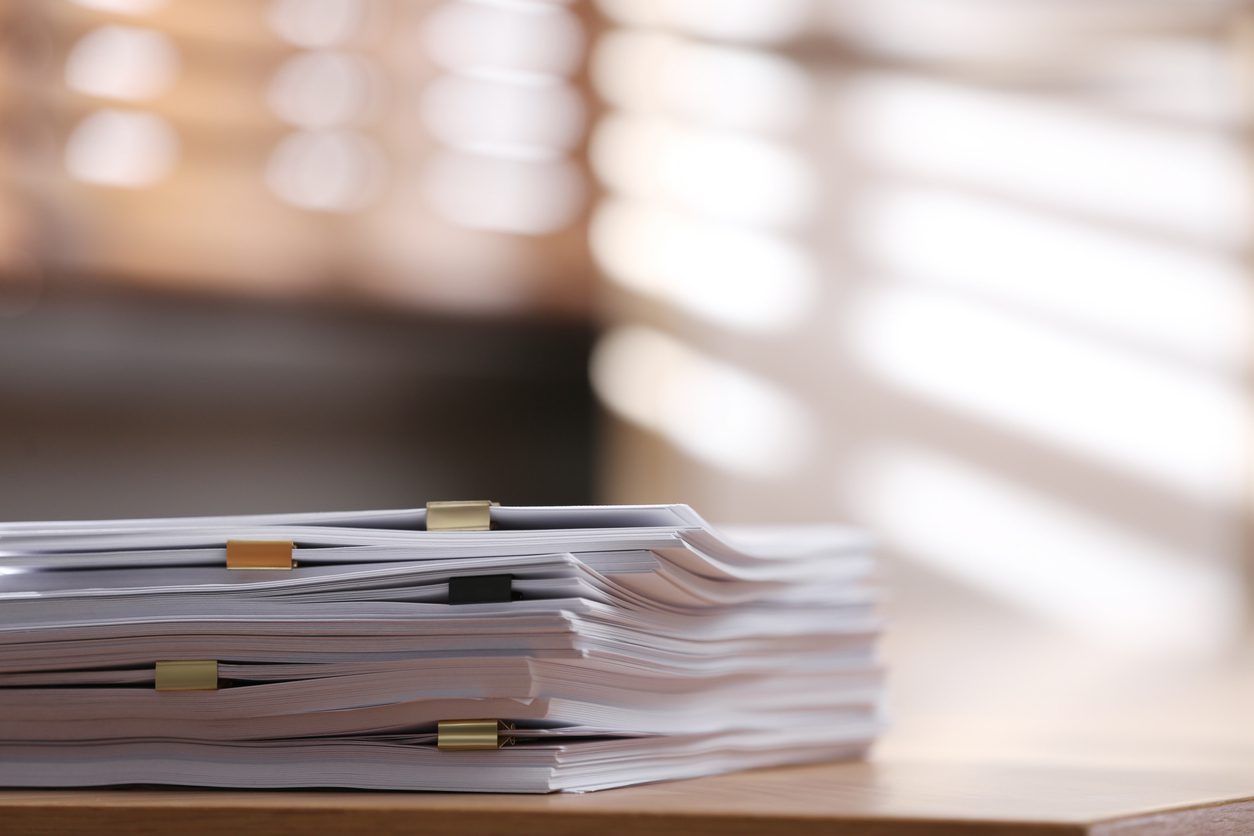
<point>471,735</point>
<point>186,675</point>
<point>260,554</point>
<point>460,515</point>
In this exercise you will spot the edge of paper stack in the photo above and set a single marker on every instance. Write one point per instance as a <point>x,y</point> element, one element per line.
<point>567,648</point>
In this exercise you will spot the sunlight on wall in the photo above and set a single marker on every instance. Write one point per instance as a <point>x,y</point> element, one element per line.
<point>1176,179</point>
<point>329,171</point>
<point>114,147</point>
<point>507,114</point>
<point>325,91</point>
<point>705,84</point>
<point>1041,553</point>
<point>651,159</point>
<point>324,88</point>
<point>1176,303</point>
<point>710,410</point>
<point>1000,251</point>
<point>735,278</point>
<point>706,198</point>
<point>313,24</point>
<point>125,148</point>
<point>526,197</point>
<point>122,62</point>
<point>1157,422</point>
<point>752,21</point>
<point>515,115</point>
<point>121,6</point>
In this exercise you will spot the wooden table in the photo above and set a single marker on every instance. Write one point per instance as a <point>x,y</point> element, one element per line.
<point>854,799</point>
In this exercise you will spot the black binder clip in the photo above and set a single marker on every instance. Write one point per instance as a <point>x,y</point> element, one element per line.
<point>482,589</point>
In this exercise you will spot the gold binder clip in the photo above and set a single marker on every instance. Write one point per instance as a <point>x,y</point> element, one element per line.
<point>260,554</point>
<point>464,515</point>
<point>466,735</point>
<point>187,675</point>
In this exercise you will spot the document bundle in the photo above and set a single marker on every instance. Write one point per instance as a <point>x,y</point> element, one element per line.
<point>461,647</point>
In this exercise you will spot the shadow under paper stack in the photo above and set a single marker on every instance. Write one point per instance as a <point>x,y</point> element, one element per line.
<point>573,648</point>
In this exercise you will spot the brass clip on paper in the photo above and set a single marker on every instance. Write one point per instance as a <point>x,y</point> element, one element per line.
<point>461,515</point>
<point>186,675</point>
<point>260,554</point>
<point>466,735</point>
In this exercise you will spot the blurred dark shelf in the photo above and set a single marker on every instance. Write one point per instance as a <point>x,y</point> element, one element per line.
<point>120,403</point>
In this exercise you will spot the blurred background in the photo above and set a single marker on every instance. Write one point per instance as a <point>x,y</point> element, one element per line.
<point>972,273</point>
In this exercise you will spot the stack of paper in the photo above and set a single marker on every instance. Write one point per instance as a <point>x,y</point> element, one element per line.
<point>572,648</point>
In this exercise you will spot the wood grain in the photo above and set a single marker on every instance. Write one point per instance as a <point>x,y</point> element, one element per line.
<point>860,799</point>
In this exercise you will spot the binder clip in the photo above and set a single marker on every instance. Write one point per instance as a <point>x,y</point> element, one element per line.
<point>461,515</point>
<point>481,589</point>
<point>186,675</point>
<point>467,735</point>
<point>260,554</point>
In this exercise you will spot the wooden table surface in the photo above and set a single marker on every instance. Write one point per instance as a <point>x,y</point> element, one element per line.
<point>854,799</point>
